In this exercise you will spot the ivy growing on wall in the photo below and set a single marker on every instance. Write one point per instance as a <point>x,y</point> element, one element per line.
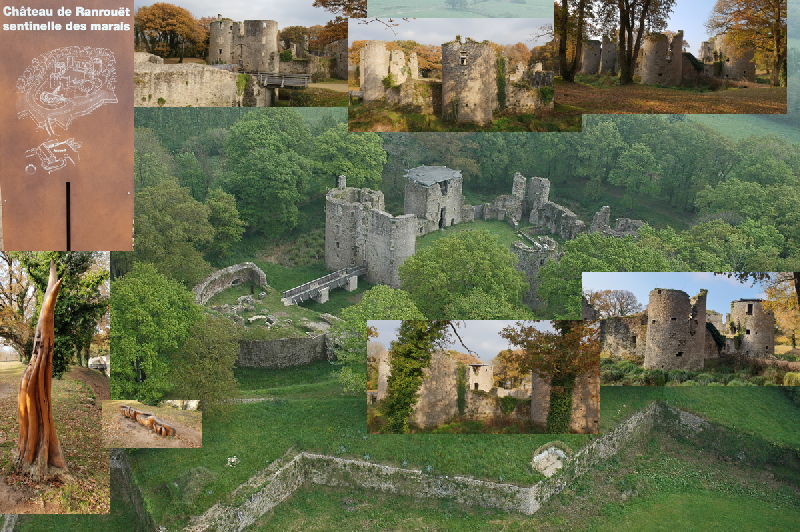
<point>461,388</point>
<point>560,413</point>
<point>501,81</point>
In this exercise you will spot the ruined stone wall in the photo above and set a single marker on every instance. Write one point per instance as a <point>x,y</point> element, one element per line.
<point>281,353</point>
<point>758,324</point>
<point>697,326</point>
<point>253,44</point>
<point>339,52</point>
<point>525,98</point>
<point>625,336</point>
<point>539,79</point>
<point>716,320</point>
<point>531,258</point>
<point>225,278</point>
<point>438,394</point>
<point>537,195</point>
<point>437,205</point>
<point>346,223</point>
<point>374,66</point>
<point>738,62</point>
<point>587,311</point>
<point>662,60</point>
<point>706,54</point>
<point>469,81</point>
<point>590,57</point>
<point>416,96</point>
<point>191,85</point>
<point>397,66</point>
<point>144,57</point>
<point>608,58</point>
<point>390,240</point>
<point>673,338</point>
<point>384,368</point>
<point>554,218</point>
<point>585,418</point>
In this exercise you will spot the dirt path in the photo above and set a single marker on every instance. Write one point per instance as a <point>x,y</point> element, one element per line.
<point>338,87</point>
<point>122,432</point>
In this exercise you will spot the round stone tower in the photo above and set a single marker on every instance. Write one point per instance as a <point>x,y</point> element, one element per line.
<point>608,60</point>
<point>661,62</point>
<point>755,326</point>
<point>260,46</point>
<point>670,344</point>
<point>738,62</point>
<point>469,81</point>
<point>590,57</point>
<point>220,44</point>
<point>374,66</point>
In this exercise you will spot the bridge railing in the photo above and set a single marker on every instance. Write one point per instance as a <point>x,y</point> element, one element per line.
<point>277,79</point>
<point>326,281</point>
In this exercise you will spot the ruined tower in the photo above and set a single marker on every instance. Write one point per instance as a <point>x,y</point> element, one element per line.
<point>675,330</point>
<point>374,66</point>
<point>755,326</point>
<point>532,257</point>
<point>433,195</point>
<point>252,44</point>
<point>662,60</point>
<point>590,57</point>
<point>608,58</point>
<point>469,81</point>
<point>738,62</point>
<point>358,231</point>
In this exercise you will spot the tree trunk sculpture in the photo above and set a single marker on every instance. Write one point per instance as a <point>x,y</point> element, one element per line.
<point>38,451</point>
<point>148,420</point>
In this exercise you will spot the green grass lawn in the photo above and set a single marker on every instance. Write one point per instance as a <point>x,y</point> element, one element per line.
<point>505,234</point>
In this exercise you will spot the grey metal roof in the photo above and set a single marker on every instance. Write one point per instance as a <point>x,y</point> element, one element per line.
<point>428,175</point>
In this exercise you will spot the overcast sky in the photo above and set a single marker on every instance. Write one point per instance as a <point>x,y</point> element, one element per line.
<point>480,336</point>
<point>286,14</point>
<point>439,30</point>
<point>721,289</point>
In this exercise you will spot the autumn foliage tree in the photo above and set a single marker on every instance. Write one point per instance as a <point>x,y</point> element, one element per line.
<point>165,28</point>
<point>572,350</point>
<point>38,451</point>
<point>613,302</point>
<point>757,23</point>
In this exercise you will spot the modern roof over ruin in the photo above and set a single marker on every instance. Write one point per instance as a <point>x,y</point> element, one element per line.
<point>429,175</point>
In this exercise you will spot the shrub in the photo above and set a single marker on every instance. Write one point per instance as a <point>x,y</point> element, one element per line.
<point>388,81</point>
<point>678,375</point>
<point>626,366</point>
<point>759,380</point>
<point>690,383</point>
<point>546,94</point>
<point>656,377</point>
<point>318,76</point>
<point>286,56</point>
<point>791,379</point>
<point>705,379</point>
<point>508,404</point>
<point>739,382</point>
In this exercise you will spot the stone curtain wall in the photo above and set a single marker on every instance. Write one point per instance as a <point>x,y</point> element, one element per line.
<point>225,278</point>
<point>281,353</point>
<point>438,394</point>
<point>585,418</point>
<point>192,85</point>
<point>416,96</point>
<point>625,336</point>
<point>469,81</point>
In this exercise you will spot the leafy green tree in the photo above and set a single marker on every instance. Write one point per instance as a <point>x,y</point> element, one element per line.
<point>224,218</point>
<point>169,227</point>
<point>203,366</point>
<point>191,175</point>
<point>348,337</point>
<point>478,305</point>
<point>458,264</point>
<point>637,171</point>
<point>80,303</point>
<point>560,281</point>
<point>151,162</point>
<point>359,157</point>
<point>151,317</point>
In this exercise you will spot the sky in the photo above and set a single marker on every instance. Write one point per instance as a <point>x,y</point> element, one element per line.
<point>689,16</point>
<point>480,336</point>
<point>439,30</point>
<point>721,289</point>
<point>285,13</point>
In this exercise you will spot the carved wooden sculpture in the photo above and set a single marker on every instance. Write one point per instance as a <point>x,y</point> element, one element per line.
<point>148,420</point>
<point>38,450</point>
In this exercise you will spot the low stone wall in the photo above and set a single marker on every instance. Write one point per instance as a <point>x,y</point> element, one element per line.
<point>119,463</point>
<point>282,353</point>
<point>192,85</point>
<point>415,96</point>
<point>225,278</point>
<point>144,57</point>
<point>523,97</point>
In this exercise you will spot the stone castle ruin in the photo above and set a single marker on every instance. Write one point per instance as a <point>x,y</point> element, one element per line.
<point>360,233</point>
<point>678,332</point>
<point>723,58</point>
<point>438,395</point>
<point>468,89</point>
<point>244,69</point>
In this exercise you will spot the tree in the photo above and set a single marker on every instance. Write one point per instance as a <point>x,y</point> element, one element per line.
<point>478,305</point>
<point>151,162</point>
<point>570,27</point>
<point>203,366</point>
<point>165,27</point>
<point>572,350</point>
<point>629,19</point>
<point>224,218</point>
<point>782,292</point>
<point>169,228</point>
<point>458,264</point>
<point>375,351</point>
<point>348,337</point>
<point>613,302</point>
<point>80,305</point>
<point>17,305</point>
<point>757,23</point>
<point>359,157</point>
<point>151,317</point>
<point>38,451</point>
<point>292,35</point>
<point>347,8</point>
<point>507,373</point>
